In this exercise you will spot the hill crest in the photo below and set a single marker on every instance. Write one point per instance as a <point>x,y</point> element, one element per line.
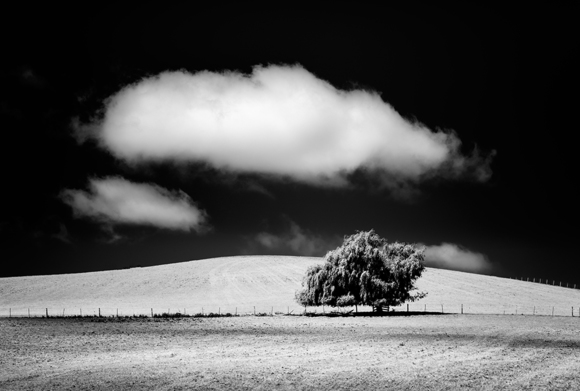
<point>264,282</point>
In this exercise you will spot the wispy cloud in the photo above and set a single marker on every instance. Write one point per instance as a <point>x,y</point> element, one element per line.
<point>51,227</point>
<point>115,200</point>
<point>279,121</point>
<point>296,241</point>
<point>62,234</point>
<point>454,257</point>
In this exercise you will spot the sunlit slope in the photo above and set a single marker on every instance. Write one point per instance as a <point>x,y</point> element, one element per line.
<point>488,294</point>
<point>243,281</point>
<point>261,281</point>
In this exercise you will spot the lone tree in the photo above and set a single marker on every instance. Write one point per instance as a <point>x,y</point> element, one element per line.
<point>365,270</point>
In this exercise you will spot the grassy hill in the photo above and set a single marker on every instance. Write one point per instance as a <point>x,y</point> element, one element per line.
<point>222,284</point>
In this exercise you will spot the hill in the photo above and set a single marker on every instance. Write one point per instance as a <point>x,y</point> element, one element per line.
<point>266,282</point>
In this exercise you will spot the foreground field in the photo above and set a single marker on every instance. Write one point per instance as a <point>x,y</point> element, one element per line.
<point>443,352</point>
<point>267,283</point>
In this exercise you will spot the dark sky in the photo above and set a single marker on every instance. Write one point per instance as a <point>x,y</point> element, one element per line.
<point>505,81</point>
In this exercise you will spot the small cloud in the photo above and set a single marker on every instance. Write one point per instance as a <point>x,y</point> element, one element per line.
<point>454,257</point>
<point>62,234</point>
<point>50,227</point>
<point>110,235</point>
<point>295,241</point>
<point>31,78</point>
<point>241,183</point>
<point>278,121</point>
<point>255,187</point>
<point>115,200</point>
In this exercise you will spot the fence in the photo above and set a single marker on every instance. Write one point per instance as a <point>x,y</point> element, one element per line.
<point>412,308</point>
<point>547,281</point>
<point>492,309</point>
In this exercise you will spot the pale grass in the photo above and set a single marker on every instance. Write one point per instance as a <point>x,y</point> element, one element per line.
<point>267,283</point>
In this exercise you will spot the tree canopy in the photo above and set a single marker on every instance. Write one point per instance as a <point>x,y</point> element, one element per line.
<point>365,270</point>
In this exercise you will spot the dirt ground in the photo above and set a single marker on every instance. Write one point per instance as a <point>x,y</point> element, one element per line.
<point>423,352</point>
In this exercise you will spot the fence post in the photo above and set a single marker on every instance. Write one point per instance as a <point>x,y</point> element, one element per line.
<point>10,312</point>
<point>572,311</point>
<point>47,312</point>
<point>272,312</point>
<point>407,307</point>
<point>236,311</point>
<point>29,312</point>
<point>461,309</point>
<point>99,312</point>
<point>117,312</point>
<point>151,312</point>
<point>63,312</point>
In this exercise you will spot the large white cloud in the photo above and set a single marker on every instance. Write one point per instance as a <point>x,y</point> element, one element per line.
<point>117,201</point>
<point>279,120</point>
<point>454,257</point>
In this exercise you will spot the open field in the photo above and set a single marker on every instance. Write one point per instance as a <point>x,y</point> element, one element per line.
<point>436,352</point>
<point>427,352</point>
<point>267,283</point>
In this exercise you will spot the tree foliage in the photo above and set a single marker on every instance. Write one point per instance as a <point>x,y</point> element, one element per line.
<point>365,270</point>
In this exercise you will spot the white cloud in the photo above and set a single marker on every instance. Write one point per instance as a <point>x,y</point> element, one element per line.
<point>454,257</point>
<point>297,241</point>
<point>280,121</point>
<point>117,201</point>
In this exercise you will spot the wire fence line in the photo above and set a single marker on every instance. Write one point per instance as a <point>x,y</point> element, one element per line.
<point>547,281</point>
<point>261,310</point>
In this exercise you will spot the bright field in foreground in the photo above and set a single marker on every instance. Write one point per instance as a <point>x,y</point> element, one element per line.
<point>267,283</point>
<point>436,352</point>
